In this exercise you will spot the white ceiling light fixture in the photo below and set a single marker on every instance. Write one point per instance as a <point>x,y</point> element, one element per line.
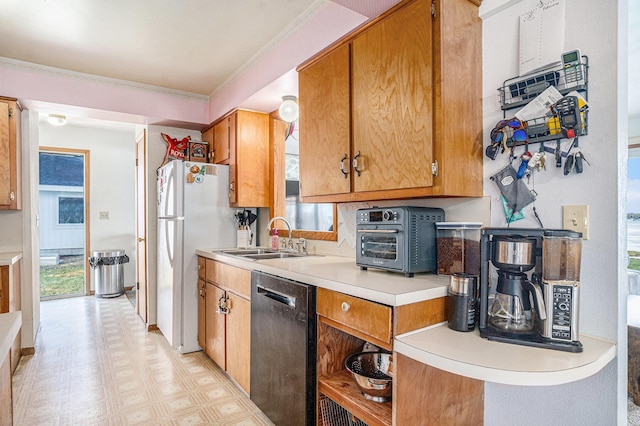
<point>289,108</point>
<point>57,119</point>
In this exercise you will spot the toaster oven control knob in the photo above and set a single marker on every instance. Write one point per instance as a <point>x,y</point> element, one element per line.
<point>345,306</point>
<point>388,215</point>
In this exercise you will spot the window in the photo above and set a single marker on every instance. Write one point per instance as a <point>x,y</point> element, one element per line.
<point>70,210</point>
<point>311,216</point>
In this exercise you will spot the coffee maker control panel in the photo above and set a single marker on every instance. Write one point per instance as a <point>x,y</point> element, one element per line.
<point>562,312</point>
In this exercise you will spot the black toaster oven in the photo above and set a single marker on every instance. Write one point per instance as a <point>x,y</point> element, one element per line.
<point>400,239</point>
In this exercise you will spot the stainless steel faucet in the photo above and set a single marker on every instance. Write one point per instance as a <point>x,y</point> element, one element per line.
<point>290,241</point>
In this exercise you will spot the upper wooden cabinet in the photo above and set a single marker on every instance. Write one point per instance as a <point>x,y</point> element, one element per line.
<point>10,155</point>
<point>325,111</point>
<point>241,140</point>
<point>414,124</point>
<point>223,137</point>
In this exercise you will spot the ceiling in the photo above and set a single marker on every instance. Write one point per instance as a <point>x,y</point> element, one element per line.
<point>197,46</point>
<point>194,46</point>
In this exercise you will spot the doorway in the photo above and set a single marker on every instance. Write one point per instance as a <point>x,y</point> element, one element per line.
<point>64,228</point>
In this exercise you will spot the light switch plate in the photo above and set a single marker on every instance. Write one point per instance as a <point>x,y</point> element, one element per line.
<point>104,215</point>
<point>576,218</point>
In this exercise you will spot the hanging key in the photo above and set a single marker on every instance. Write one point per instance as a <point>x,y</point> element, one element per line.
<point>541,165</point>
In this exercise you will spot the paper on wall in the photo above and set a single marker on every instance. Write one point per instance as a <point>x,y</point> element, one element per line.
<point>541,35</point>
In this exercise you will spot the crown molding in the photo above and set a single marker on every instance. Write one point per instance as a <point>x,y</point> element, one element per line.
<point>59,72</point>
<point>273,43</point>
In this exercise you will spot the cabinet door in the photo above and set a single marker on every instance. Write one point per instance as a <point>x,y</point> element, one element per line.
<point>221,142</point>
<point>239,340</point>
<point>202,315</point>
<point>6,400</point>
<point>207,136</point>
<point>9,156</point>
<point>324,121</point>
<point>392,101</point>
<point>250,156</point>
<point>215,326</point>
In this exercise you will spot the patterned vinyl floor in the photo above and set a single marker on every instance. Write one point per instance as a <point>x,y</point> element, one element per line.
<point>95,364</point>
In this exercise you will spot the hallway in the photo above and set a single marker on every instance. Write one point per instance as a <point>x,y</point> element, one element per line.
<point>95,364</point>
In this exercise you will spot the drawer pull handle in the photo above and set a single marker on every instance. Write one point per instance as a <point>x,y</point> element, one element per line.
<point>345,306</point>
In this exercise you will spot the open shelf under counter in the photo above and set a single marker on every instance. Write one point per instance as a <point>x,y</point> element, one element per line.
<point>341,388</point>
<point>469,355</point>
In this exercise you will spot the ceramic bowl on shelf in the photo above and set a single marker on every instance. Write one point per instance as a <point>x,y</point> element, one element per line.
<point>372,372</point>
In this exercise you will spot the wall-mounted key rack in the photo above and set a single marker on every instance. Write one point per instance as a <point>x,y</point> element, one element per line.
<point>518,92</point>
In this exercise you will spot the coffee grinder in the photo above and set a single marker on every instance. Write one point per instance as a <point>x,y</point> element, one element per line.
<point>529,284</point>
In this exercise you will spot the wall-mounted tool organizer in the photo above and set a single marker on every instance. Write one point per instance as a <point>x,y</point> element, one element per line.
<point>566,77</point>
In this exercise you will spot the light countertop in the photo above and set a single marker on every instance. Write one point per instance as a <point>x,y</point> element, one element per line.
<point>10,324</point>
<point>9,258</point>
<point>468,354</point>
<point>465,354</point>
<point>341,274</point>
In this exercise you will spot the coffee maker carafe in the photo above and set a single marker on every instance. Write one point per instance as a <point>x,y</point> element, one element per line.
<point>535,301</point>
<point>510,308</point>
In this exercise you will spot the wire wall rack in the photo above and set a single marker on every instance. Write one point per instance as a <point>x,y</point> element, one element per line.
<point>517,92</point>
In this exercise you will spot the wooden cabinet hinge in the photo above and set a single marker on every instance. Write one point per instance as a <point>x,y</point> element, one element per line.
<point>10,112</point>
<point>433,9</point>
<point>434,168</point>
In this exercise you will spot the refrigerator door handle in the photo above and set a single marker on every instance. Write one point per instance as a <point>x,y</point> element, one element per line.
<point>168,242</point>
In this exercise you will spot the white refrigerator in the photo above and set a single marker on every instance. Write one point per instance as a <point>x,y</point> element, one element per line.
<point>193,212</point>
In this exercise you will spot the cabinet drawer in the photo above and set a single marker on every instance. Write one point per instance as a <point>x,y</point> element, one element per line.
<point>231,278</point>
<point>211,270</point>
<point>202,267</point>
<point>368,318</point>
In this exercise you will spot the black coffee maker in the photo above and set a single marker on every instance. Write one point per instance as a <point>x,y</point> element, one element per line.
<point>516,311</point>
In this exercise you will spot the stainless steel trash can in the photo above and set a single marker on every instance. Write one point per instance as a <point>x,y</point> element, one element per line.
<point>108,272</point>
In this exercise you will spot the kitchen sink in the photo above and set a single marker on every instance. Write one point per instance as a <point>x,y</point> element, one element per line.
<point>244,252</point>
<point>280,255</point>
<point>260,253</point>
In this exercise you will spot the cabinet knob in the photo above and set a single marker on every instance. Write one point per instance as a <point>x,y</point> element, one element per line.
<point>345,306</point>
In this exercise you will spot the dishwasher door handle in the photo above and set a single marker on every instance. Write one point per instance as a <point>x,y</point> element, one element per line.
<point>277,296</point>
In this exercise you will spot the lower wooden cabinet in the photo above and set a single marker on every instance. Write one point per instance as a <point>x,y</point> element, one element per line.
<point>202,289</point>
<point>6,399</point>
<point>345,324</point>
<point>224,319</point>
<point>10,301</point>
<point>425,395</point>
<point>215,326</point>
<point>238,339</point>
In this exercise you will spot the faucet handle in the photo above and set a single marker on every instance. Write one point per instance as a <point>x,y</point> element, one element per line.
<point>301,245</point>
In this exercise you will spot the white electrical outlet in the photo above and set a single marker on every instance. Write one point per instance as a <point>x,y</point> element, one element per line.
<point>576,218</point>
<point>104,215</point>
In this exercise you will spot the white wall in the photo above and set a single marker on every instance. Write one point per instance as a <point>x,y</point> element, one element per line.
<point>111,185</point>
<point>592,26</point>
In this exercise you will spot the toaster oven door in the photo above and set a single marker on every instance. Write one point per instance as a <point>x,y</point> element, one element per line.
<point>380,247</point>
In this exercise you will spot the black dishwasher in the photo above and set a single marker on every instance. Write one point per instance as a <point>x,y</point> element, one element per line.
<point>283,349</point>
